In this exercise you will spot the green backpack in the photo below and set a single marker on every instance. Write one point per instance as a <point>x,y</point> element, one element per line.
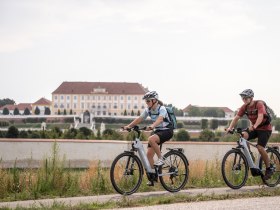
<point>173,121</point>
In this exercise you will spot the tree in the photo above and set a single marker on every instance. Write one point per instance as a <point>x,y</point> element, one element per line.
<point>194,112</point>
<point>211,112</point>
<point>12,132</point>
<point>138,113</point>
<point>132,113</point>
<point>6,101</point>
<point>214,124</point>
<point>6,111</point>
<point>58,112</point>
<point>47,111</point>
<point>37,110</point>
<point>204,123</point>
<point>276,123</point>
<point>64,112</point>
<point>125,113</point>
<point>16,111</point>
<point>26,111</point>
<point>71,112</point>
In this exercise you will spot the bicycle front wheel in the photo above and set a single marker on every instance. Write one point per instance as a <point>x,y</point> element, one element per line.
<point>274,158</point>
<point>235,169</point>
<point>126,173</point>
<point>173,175</point>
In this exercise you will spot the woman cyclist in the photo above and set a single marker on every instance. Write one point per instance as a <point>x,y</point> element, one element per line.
<point>161,126</point>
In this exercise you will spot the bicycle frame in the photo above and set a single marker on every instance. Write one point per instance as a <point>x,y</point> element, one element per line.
<point>138,146</point>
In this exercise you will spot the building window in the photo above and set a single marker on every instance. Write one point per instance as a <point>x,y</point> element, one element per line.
<point>135,98</point>
<point>121,98</point>
<point>135,106</point>
<point>104,98</point>
<point>75,98</point>
<point>83,98</point>
<point>116,98</point>
<point>104,113</point>
<point>55,98</point>
<point>61,106</point>
<point>75,106</point>
<point>68,98</point>
<point>61,97</point>
<point>115,106</point>
<point>68,106</point>
<point>128,98</point>
<point>82,105</point>
<point>55,105</point>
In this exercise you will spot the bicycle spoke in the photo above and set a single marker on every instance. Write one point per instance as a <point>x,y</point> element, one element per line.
<point>126,173</point>
<point>274,158</point>
<point>174,174</point>
<point>234,169</point>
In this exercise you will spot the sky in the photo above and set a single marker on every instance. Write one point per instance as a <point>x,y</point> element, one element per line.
<point>199,52</point>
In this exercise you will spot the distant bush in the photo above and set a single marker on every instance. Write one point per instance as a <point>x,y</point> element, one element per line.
<point>207,135</point>
<point>182,135</point>
<point>12,132</point>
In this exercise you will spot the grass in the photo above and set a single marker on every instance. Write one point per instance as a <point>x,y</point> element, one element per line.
<point>55,179</point>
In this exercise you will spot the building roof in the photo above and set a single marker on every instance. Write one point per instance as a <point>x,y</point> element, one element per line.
<point>93,87</point>
<point>225,109</point>
<point>20,106</point>
<point>42,101</point>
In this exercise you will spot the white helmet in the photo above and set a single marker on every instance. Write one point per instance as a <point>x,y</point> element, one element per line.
<point>150,95</point>
<point>247,93</point>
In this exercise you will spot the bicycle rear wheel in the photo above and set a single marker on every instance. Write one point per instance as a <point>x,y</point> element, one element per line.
<point>235,169</point>
<point>173,175</point>
<point>126,173</point>
<point>274,158</point>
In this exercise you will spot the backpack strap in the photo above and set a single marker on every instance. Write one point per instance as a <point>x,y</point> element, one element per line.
<point>165,119</point>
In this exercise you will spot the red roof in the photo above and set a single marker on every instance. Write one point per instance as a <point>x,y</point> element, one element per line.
<point>43,101</point>
<point>110,88</point>
<point>20,106</point>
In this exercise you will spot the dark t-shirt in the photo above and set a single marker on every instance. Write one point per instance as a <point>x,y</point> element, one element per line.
<point>253,112</point>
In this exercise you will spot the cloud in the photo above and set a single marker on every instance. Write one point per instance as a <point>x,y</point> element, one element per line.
<point>29,22</point>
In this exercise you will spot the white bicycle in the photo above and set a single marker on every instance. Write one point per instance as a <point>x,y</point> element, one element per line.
<point>237,161</point>
<point>127,171</point>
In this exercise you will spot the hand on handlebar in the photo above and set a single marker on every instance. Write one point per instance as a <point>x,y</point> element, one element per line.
<point>229,130</point>
<point>126,127</point>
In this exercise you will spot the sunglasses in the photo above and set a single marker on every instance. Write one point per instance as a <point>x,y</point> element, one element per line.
<point>244,98</point>
<point>148,101</point>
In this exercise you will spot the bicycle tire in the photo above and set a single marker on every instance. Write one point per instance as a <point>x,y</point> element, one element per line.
<point>126,173</point>
<point>173,175</point>
<point>274,158</point>
<point>232,172</point>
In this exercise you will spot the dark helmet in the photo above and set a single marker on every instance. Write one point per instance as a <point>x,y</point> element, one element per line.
<point>247,93</point>
<point>150,95</point>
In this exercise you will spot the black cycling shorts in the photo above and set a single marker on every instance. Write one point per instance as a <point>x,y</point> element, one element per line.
<point>262,136</point>
<point>164,135</point>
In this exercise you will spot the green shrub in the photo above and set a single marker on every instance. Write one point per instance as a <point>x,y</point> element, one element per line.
<point>207,135</point>
<point>12,132</point>
<point>182,135</point>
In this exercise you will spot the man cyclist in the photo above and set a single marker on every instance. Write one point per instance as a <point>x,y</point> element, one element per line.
<point>161,126</point>
<point>259,127</point>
